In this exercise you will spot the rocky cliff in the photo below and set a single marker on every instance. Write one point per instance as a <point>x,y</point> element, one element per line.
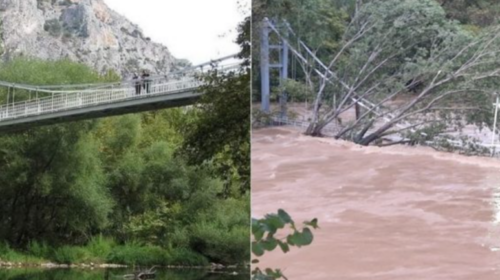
<point>86,31</point>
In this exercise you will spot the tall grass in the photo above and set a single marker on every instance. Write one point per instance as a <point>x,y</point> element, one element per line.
<point>100,247</point>
<point>103,250</point>
<point>135,254</point>
<point>39,249</point>
<point>71,254</point>
<point>10,255</point>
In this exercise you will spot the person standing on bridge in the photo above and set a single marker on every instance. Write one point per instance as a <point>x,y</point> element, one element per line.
<point>137,83</point>
<point>145,80</point>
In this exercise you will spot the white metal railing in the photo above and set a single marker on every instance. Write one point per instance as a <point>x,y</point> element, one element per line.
<point>61,100</point>
<point>87,98</point>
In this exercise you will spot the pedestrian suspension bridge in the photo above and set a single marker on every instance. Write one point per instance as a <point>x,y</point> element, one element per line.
<point>26,106</point>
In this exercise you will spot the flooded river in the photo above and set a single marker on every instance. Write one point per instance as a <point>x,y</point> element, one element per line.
<point>392,213</point>
<point>98,274</point>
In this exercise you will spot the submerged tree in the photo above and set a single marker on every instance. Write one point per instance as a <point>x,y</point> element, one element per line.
<point>405,49</point>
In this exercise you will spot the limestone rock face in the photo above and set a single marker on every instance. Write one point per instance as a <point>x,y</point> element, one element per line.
<point>86,31</point>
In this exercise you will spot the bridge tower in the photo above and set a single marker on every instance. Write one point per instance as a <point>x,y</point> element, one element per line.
<point>266,65</point>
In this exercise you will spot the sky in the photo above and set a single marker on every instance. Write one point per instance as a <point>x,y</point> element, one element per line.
<point>197,30</point>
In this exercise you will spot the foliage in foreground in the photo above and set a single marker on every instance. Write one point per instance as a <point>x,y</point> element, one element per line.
<point>265,232</point>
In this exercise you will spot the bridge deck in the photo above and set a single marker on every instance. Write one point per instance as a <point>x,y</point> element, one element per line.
<point>77,103</point>
<point>88,104</point>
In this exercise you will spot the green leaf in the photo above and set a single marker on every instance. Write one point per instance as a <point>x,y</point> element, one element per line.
<point>272,223</point>
<point>284,216</point>
<point>257,249</point>
<point>290,240</point>
<point>269,244</point>
<point>275,274</point>
<point>284,247</point>
<point>257,230</point>
<point>303,238</point>
<point>313,223</point>
<point>306,237</point>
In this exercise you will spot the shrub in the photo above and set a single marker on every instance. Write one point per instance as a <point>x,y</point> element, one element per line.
<point>222,234</point>
<point>186,257</point>
<point>39,250</point>
<point>224,245</point>
<point>134,254</point>
<point>100,248</point>
<point>70,254</point>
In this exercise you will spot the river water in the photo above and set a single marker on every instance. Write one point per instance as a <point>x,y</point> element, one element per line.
<point>391,213</point>
<point>75,274</point>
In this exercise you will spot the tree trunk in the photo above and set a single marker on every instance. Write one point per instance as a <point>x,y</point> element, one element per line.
<point>314,129</point>
<point>358,110</point>
<point>376,135</point>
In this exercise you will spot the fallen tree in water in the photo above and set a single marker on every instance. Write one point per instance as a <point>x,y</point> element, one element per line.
<point>406,48</point>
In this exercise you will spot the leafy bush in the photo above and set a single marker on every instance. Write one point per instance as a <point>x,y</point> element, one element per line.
<point>186,257</point>
<point>70,255</point>
<point>134,254</point>
<point>39,249</point>
<point>221,245</point>
<point>100,247</point>
<point>222,234</point>
<point>10,255</point>
<point>180,237</point>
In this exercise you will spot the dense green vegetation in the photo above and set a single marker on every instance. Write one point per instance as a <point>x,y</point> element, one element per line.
<point>478,13</point>
<point>163,187</point>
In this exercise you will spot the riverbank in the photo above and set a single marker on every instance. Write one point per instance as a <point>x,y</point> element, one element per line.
<point>119,273</point>
<point>50,265</point>
<point>103,252</point>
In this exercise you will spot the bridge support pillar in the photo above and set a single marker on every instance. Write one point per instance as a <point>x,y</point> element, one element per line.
<point>283,77</point>
<point>266,66</point>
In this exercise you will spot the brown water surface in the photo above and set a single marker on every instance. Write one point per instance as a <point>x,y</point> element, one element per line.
<point>390,213</point>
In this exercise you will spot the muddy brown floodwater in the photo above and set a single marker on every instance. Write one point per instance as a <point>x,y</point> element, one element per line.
<point>392,213</point>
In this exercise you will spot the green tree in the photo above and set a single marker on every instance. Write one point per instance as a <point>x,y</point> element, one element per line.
<point>160,199</point>
<point>479,13</point>
<point>48,172</point>
<point>220,134</point>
